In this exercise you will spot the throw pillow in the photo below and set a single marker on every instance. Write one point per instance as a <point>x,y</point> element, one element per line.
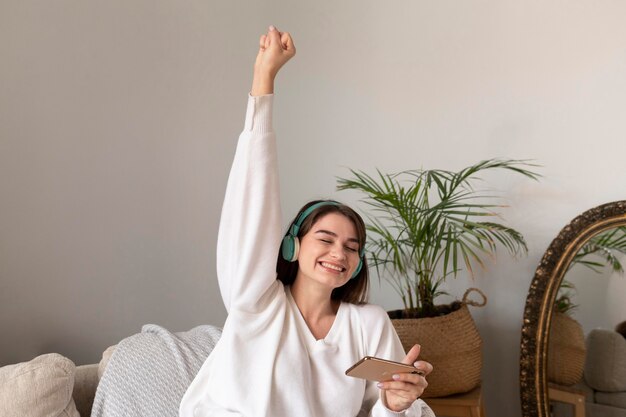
<point>605,367</point>
<point>39,388</point>
<point>106,355</point>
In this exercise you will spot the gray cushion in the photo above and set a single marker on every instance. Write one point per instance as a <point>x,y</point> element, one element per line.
<point>85,384</point>
<point>616,399</point>
<point>601,410</point>
<point>39,388</point>
<point>605,367</point>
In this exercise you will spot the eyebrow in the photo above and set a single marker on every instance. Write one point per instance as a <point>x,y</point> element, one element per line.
<point>328,232</point>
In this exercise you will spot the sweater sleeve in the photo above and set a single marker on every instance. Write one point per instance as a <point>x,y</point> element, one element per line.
<point>383,342</point>
<point>250,226</point>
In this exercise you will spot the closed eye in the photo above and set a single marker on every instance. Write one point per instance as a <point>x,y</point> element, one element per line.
<point>325,239</point>
<point>330,242</point>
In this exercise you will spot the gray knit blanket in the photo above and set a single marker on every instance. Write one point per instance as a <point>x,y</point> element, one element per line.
<point>149,372</point>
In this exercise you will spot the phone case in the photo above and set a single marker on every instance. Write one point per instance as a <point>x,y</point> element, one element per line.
<point>376,369</point>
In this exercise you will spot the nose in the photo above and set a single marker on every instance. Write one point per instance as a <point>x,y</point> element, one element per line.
<point>338,252</point>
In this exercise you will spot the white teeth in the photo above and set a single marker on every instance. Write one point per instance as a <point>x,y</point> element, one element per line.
<point>331,266</point>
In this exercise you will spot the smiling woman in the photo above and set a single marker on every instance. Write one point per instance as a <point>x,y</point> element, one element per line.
<point>330,245</point>
<point>296,324</point>
<point>334,232</point>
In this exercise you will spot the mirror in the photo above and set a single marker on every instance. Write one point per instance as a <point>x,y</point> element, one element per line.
<point>539,312</point>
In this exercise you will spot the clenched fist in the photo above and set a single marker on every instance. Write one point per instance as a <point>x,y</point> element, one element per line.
<point>275,49</point>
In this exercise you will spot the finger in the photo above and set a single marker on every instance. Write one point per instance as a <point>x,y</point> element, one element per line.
<point>411,357</point>
<point>424,367</point>
<point>262,41</point>
<point>408,377</point>
<point>286,41</point>
<point>273,36</point>
<point>399,386</point>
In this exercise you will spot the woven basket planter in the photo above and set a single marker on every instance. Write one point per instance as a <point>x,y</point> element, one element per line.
<point>566,350</point>
<point>451,343</point>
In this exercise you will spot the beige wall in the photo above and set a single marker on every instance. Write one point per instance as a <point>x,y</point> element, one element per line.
<point>118,121</point>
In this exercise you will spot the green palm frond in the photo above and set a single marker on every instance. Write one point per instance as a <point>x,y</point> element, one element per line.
<point>606,246</point>
<point>424,223</point>
<point>600,251</point>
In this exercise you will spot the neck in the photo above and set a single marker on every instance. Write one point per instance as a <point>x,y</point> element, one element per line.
<point>314,302</point>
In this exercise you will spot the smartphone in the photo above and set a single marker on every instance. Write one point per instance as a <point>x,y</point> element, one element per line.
<point>377,369</point>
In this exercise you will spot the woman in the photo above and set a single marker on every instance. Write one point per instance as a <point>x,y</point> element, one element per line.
<point>294,326</point>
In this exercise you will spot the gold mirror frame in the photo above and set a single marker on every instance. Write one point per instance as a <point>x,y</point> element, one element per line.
<point>541,297</point>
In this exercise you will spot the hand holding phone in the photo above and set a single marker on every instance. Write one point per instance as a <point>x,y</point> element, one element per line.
<point>377,369</point>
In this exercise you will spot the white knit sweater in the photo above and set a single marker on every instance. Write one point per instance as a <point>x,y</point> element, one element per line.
<point>267,362</point>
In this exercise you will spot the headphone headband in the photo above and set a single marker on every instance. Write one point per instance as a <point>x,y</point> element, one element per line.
<point>295,228</point>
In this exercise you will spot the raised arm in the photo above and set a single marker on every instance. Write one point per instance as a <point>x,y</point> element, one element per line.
<point>275,49</point>
<point>250,227</point>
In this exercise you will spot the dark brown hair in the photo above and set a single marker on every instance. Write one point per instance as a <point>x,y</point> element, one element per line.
<point>621,328</point>
<point>354,291</point>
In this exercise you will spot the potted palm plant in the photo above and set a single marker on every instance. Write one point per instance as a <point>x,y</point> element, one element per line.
<point>566,346</point>
<point>424,225</point>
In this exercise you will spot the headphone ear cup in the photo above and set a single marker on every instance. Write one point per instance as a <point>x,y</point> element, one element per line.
<point>358,269</point>
<point>289,248</point>
<point>296,249</point>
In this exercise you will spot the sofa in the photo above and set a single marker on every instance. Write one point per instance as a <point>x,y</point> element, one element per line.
<point>604,377</point>
<point>144,374</point>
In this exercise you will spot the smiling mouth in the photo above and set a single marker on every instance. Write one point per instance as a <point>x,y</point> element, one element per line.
<point>332,266</point>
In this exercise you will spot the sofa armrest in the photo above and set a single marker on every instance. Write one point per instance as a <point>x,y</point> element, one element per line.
<point>85,384</point>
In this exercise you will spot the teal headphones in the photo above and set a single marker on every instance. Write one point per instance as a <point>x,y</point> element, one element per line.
<point>291,244</point>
